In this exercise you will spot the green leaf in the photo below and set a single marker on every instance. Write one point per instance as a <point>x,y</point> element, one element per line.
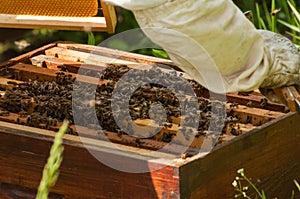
<point>160,53</point>
<point>91,39</point>
<point>292,27</point>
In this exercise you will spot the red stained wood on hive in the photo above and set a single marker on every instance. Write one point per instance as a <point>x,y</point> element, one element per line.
<point>79,178</point>
<point>9,191</point>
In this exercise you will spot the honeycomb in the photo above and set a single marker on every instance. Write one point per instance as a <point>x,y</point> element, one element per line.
<point>61,8</point>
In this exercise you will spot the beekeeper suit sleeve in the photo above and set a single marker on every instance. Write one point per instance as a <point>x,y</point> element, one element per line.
<point>216,44</point>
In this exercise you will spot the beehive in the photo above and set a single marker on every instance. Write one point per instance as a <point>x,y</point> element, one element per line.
<point>263,139</point>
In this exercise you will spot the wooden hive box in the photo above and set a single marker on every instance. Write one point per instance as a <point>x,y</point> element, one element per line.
<point>268,147</point>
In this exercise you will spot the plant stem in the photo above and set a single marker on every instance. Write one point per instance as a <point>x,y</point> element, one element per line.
<point>254,187</point>
<point>273,17</point>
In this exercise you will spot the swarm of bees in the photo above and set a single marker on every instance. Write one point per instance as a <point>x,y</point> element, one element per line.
<point>44,104</point>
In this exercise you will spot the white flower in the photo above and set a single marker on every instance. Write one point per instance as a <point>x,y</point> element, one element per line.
<point>244,194</point>
<point>234,183</point>
<point>241,172</point>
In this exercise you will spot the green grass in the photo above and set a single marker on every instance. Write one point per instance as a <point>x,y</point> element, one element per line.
<point>51,169</point>
<point>282,17</point>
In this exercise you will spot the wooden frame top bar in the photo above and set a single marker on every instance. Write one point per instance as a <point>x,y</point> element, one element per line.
<point>101,24</point>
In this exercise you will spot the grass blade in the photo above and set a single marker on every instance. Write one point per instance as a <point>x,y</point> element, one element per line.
<point>273,17</point>
<point>292,27</point>
<point>267,14</point>
<point>297,185</point>
<point>293,35</point>
<point>293,8</point>
<point>260,21</point>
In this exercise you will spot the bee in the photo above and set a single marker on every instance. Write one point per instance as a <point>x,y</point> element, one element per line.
<point>23,114</point>
<point>19,121</point>
<point>275,12</point>
<point>168,125</point>
<point>188,154</point>
<point>28,120</point>
<point>138,142</point>
<point>119,132</point>
<point>249,15</point>
<point>199,133</point>
<point>4,113</point>
<point>234,105</point>
<point>263,102</point>
<point>250,103</point>
<point>12,82</point>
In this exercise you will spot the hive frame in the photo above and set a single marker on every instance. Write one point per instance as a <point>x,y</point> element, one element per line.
<point>100,24</point>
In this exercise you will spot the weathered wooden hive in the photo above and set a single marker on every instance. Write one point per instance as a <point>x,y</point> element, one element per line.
<point>37,88</point>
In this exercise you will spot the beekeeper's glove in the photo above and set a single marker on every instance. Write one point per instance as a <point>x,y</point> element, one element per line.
<point>216,44</point>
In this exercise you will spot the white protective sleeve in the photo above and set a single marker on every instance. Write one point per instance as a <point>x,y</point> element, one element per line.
<point>215,43</point>
<point>136,4</point>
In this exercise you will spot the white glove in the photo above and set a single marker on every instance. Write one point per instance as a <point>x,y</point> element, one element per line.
<point>216,44</point>
<point>285,61</point>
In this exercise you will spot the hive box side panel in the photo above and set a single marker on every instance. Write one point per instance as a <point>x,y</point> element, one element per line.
<point>23,156</point>
<point>269,153</point>
<point>26,56</point>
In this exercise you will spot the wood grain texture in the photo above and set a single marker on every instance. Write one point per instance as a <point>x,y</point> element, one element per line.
<point>113,137</point>
<point>54,63</point>
<point>23,156</point>
<point>84,57</point>
<point>4,82</point>
<point>110,17</point>
<point>9,191</point>
<point>286,95</point>
<point>26,72</point>
<point>134,57</point>
<point>60,23</point>
<point>255,116</point>
<point>255,101</point>
<point>24,58</point>
<point>269,153</point>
